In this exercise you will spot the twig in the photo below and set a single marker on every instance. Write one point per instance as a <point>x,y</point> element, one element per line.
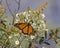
<point>15,11</point>
<point>45,34</point>
<point>18,6</point>
<point>10,11</point>
<point>0,1</point>
<point>9,8</point>
<point>17,1</point>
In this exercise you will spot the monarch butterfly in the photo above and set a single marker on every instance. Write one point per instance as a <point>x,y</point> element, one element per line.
<point>26,28</point>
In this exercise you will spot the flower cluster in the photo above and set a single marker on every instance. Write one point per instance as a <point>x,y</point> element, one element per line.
<point>35,19</point>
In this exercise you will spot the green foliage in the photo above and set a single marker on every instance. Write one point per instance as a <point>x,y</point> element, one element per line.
<point>41,40</point>
<point>25,43</point>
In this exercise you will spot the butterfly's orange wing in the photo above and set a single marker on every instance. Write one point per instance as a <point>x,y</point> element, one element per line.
<point>30,30</point>
<point>27,29</point>
<point>21,25</point>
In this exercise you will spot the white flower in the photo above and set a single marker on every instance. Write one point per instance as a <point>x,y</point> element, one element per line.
<point>42,21</point>
<point>24,13</point>
<point>40,25</point>
<point>43,16</point>
<point>17,42</point>
<point>33,25</point>
<point>46,30</point>
<point>10,37</point>
<point>25,20</point>
<point>27,16</point>
<point>17,15</point>
<point>43,47</point>
<point>30,11</point>
<point>32,37</point>
<point>15,34</point>
<point>29,20</point>
<point>44,25</point>
<point>16,21</point>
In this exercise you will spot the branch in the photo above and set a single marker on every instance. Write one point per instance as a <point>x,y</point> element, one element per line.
<point>18,6</point>
<point>10,11</point>
<point>16,1</point>
<point>0,1</point>
<point>9,8</point>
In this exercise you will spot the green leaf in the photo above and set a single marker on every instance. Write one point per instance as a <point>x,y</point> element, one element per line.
<point>1,29</point>
<point>41,40</point>
<point>24,43</point>
<point>58,37</point>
